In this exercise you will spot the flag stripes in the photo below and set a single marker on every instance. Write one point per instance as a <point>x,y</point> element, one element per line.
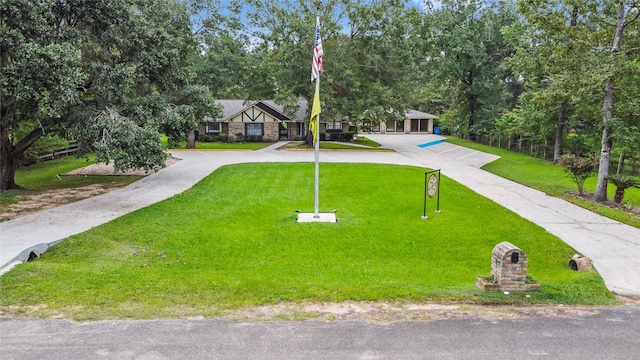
<point>316,69</point>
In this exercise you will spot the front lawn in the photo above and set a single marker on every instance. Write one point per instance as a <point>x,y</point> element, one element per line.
<point>231,242</point>
<point>551,179</point>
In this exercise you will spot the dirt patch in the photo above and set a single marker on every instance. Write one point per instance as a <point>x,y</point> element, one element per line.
<point>107,169</point>
<point>47,199</point>
<point>611,204</point>
<point>384,312</point>
<point>28,204</point>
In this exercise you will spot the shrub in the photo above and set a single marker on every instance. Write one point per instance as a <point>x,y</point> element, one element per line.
<point>206,138</point>
<point>579,168</point>
<point>622,183</point>
<point>225,138</point>
<point>253,138</point>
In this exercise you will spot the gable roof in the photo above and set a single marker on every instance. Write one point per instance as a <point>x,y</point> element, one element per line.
<point>233,107</point>
<point>418,115</point>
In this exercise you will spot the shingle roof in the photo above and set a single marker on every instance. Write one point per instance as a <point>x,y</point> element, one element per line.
<point>418,115</point>
<point>232,107</point>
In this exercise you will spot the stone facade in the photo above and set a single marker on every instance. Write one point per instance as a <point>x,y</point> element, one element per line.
<point>509,269</point>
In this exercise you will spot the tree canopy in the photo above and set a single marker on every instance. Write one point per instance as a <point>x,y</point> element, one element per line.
<point>558,75</point>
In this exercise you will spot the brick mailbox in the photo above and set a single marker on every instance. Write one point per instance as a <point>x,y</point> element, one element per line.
<point>508,270</point>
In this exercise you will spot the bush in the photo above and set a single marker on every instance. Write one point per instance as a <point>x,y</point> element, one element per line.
<point>253,138</point>
<point>579,168</point>
<point>341,136</point>
<point>622,183</point>
<point>206,138</point>
<point>225,138</point>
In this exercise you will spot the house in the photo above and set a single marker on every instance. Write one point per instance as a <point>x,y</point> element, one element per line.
<point>414,122</point>
<point>263,119</point>
<point>266,120</point>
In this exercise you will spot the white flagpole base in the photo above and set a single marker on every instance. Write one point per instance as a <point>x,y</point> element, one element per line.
<point>319,217</point>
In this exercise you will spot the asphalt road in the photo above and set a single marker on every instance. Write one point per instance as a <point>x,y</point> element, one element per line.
<point>612,333</point>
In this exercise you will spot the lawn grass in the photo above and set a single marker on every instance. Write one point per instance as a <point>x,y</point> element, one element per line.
<point>231,242</point>
<point>367,142</point>
<point>551,179</point>
<point>45,176</point>
<point>325,145</point>
<point>226,146</point>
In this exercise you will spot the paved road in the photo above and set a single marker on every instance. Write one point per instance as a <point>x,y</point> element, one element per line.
<point>611,334</point>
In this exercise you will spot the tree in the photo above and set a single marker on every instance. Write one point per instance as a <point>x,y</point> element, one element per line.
<point>26,95</point>
<point>193,104</point>
<point>468,51</point>
<point>102,68</point>
<point>623,8</point>
<point>548,41</point>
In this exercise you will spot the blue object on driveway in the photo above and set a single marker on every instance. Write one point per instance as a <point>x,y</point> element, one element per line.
<point>431,143</point>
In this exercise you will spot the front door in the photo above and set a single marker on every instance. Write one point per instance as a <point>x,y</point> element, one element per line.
<point>284,130</point>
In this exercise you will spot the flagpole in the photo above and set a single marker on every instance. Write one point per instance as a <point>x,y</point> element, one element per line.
<point>316,206</point>
<point>316,203</point>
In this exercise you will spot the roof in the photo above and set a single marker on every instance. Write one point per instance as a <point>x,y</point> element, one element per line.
<point>233,107</point>
<point>418,115</point>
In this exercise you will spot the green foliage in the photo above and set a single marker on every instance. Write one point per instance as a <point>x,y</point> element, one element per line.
<point>61,65</point>
<point>468,52</point>
<point>128,144</point>
<point>622,183</point>
<point>579,168</point>
<point>176,122</point>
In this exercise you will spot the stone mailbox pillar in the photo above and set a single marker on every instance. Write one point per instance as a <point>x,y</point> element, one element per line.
<point>509,266</point>
<point>508,269</point>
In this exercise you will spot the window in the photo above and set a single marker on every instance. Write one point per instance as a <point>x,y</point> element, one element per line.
<point>302,129</point>
<point>254,129</point>
<point>214,128</point>
<point>334,125</point>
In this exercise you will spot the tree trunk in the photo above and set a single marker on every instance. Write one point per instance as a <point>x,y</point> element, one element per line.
<point>621,159</point>
<point>562,119</point>
<point>191,140</point>
<point>472,108</point>
<point>7,162</point>
<point>9,154</point>
<point>619,195</point>
<point>607,113</point>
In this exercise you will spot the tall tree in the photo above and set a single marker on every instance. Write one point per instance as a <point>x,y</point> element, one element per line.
<point>550,58</point>
<point>468,52</point>
<point>627,13</point>
<point>100,67</point>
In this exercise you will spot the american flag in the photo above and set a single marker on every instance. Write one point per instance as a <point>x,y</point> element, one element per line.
<point>316,69</point>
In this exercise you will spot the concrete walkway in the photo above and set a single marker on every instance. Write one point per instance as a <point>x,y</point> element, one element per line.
<point>613,247</point>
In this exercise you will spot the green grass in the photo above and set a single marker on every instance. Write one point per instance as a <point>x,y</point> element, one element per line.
<point>231,242</point>
<point>298,145</point>
<point>45,176</point>
<point>367,142</point>
<point>226,146</point>
<point>551,179</point>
